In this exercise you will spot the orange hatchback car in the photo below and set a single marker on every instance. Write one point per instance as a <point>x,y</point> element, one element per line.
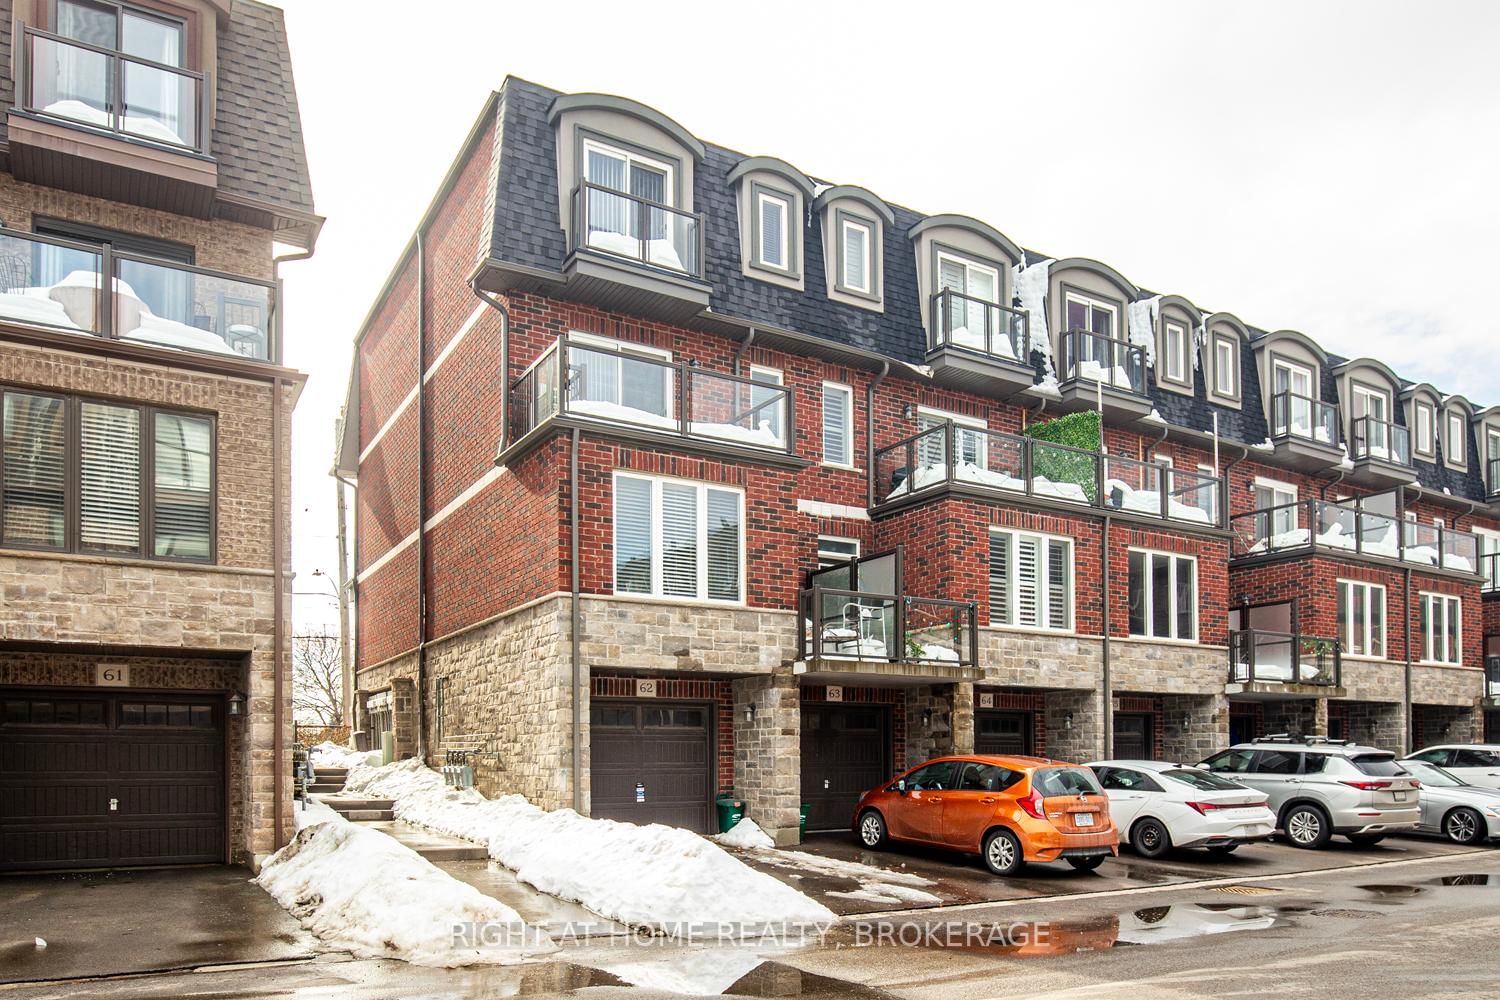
<point>1008,810</point>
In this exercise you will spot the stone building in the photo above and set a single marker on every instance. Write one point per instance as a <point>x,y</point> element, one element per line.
<point>154,178</point>
<point>679,470</point>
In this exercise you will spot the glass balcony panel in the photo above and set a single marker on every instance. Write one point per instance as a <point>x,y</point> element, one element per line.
<point>1064,473</point>
<point>999,460</point>
<point>1489,568</point>
<point>936,631</point>
<point>1335,526</point>
<point>1380,439</point>
<point>914,465</point>
<point>633,227</point>
<point>1295,415</point>
<point>735,410</point>
<point>622,388</point>
<point>159,104</point>
<point>977,325</point>
<point>1098,358</point>
<point>855,626</point>
<point>70,81</point>
<point>49,284</point>
<point>157,303</point>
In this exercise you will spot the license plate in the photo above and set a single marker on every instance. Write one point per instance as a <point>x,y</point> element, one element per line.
<point>1400,796</point>
<point>1083,819</point>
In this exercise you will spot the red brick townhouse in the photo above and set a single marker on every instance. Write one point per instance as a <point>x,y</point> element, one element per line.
<point>679,470</point>
<point>152,159</point>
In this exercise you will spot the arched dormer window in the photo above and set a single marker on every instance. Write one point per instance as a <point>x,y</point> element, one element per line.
<point>1224,338</point>
<point>1177,319</point>
<point>854,226</point>
<point>772,196</point>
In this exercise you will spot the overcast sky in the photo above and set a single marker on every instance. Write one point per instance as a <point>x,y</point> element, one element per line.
<point>1326,167</point>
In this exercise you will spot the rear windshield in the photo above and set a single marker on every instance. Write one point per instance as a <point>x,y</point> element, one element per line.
<point>1065,781</point>
<point>1378,765</point>
<point>1202,780</point>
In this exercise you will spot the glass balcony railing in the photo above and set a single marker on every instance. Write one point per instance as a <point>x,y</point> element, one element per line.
<point>1095,357</point>
<point>1367,526</point>
<point>1489,569</point>
<point>575,379</point>
<point>1380,439</point>
<point>987,328</point>
<point>1299,416</point>
<point>1258,656</point>
<point>1492,480</point>
<point>638,229</point>
<point>1021,465</point>
<point>853,625</point>
<point>60,283</point>
<point>110,90</point>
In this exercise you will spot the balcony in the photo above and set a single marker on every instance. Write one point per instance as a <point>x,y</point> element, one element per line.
<point>635,255</point>
<point>1284,664</point>
<point>1381,452</point>
<point>1096,370</point>
<point>1492,480</point>
<point>1489,572</point>
<point>1492,671</point>
<point>993,464</point>
<point>1367,527</point>
<point>654,401</point>
<point>978,345</point>
<point>855,620</point>
<point>108,124</point>
<point>59,284</point>
<point>1305,432</point>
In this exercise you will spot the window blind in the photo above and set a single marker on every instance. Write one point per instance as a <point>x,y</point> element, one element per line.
<point>679,540</point>
<point>633,536</point>
<point>724,545</point>
<point>772,231</point>
<point>34,471</point>
<point>109,478</point>
<point>836,419</point>
<point>855,248</point>
<point>182,515</point>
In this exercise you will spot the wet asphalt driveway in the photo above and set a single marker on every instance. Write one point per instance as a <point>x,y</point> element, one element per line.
<point>107,923</point>
<point>962,879</point>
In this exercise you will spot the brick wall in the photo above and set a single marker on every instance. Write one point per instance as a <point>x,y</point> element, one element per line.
<point>718,692</point>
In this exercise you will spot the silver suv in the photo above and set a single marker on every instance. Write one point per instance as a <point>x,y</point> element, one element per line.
<point>1319,787</point>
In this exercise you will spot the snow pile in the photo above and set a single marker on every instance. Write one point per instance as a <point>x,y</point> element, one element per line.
<point>653,876</point>
<point>1030,284</point>
<point>876,885</point>
<point>657,251</point>
<point>313,813</point>
<point>1141,330</point>
<point>332,755</point>
<point>763,434</point>
<point>931,473</point>
<point>746,834</point>
<point>361,891</point>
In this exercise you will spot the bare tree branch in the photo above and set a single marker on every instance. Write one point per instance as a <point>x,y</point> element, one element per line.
<point>317,680</point>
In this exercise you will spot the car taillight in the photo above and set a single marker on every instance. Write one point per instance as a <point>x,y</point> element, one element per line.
<point>1032,803</point>
<point>1204,808</point>
<point>1368,786</point>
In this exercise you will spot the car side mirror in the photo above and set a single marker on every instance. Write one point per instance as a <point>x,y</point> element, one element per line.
<point>901,786</point>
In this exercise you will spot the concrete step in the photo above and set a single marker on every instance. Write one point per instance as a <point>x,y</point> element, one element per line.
<point>431,845</point>
<point>367,815</point>
<point>344,803</point>
<point>325,787</point>
<point>331,773</point>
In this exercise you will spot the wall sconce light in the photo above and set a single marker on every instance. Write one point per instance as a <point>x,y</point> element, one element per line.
<point>1187,720</point>
<point>1068,721</point>
<point>910,411</point>
<point>750,712</point>
<point>236,705</point>
<point>926,718</point>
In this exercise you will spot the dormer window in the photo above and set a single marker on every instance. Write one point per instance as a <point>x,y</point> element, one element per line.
<point>1226,367</point>
<point>856,247</point>
<point>772,198</point>
<point>1424,417</point>
<point>772,240</point>
<point>1455,443</point>
<point>1175,336</point>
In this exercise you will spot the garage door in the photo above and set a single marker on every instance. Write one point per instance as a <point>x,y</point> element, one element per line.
<point>651,762</point>
<point>1006,733</point>
<point>845,752</point>
<point>98,780</point>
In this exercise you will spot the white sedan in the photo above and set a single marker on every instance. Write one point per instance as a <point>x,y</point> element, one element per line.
<point>1157,806</point>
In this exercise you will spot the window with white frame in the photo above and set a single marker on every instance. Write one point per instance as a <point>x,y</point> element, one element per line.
<point>1492,438</point>
<point>675,538</point>
<point>1455,443</point>
<point>838,424</point>
<point>1489,557</point>
<point>968,319</point>
<point>1442,628</point>
<point>968,440</point>
<point>1163,592</point>
<point>615,378</point>
<point>1226,366</point>
<point>1031,580</point>
<point>763,401</point>
<point>1423,417</point>
<point>1361,617</point>
<point>773,233</point>
<point>833,550</point>
<point>857,255</point>
<point>1276,497</point>
<point>617,224</point>
<point>1176,337</point>
<point>1372,411</point>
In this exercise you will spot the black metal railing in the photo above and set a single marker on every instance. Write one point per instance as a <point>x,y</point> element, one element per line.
<point>638,229</point>
<point>1380,439</point>
<point>60,283</point>
<point>577,379</point>
<point>1489,571</point>
<point>1256,655</point>
<point>1353,526</point>
<point>102,88</point>
<point>887,628</point>
<point>1299,416</point>
<point>952,454</point>
<point>988,328</point>
<point>1097,357</point>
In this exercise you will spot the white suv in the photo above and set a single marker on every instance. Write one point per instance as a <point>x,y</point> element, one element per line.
<point>1319,787</point>
<point>1476,763</point>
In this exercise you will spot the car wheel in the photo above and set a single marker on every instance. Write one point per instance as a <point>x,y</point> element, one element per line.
<point>1150,839</point>
<point>1002,853</point>
<point>1306,826</point>
<point>1087,864</point>
<point>1365,839</point>
<point>872,829</point>
<point>1222,850</point>
<point>1463,826</point>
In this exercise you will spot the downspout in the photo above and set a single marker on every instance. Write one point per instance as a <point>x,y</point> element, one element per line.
<point>1106,678</point>
<point>495,304</point>
<point>346,662</point>
<point>741,351</point>
<point>573,631</point>
<point>1323,490</point>
<point>1151,448</point>
<point>1406,671</point>
<point>421,498</point>
<point>278,626</point>
<point>885,369</point>
<point>1033,415</point>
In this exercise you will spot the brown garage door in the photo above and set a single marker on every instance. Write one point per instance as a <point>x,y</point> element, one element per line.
<point>1005,733</point>
<point>845,752</point>
<point>94,780</point>
<point>651,762</point>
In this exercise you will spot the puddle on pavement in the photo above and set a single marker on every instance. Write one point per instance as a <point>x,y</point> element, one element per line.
<point>1490,880</point>
<point>1407,890</point>
<point>1393,891</point>
<point>772,979</point>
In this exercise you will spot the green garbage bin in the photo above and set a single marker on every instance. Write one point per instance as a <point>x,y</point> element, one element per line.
<point>802,822</point>
<point>731,811</point>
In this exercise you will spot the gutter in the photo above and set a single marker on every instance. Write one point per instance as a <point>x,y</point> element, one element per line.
<point>885,369</point>
<point>282,665</point>
<point>741,351</point>
<point>576,623</point>
<point>1106,678</point>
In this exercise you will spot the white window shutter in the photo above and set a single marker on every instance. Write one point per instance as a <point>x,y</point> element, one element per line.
<point>1028,583</point>
<point>1059,583</point>
<point>110,478</point>
<point>679,540</point>
<point>1000,579</point>
<point>633,536</point>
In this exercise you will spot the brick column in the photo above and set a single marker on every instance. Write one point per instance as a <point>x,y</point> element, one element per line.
<point>1075,729</point>
<point>1193,726</point>
<point>404,716</point>
<point>768,752</point>
<point>963,718</point>
<point>936,738</point>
